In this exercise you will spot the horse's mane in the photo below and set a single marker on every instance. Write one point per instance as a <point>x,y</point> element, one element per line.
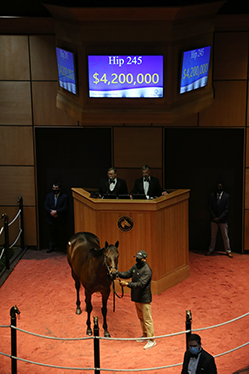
<point>97,252</point>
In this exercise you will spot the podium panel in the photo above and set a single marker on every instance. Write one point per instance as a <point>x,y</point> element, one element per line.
<point>159,226</point>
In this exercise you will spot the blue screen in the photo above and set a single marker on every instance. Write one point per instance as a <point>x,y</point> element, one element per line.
<point>66,73</point>
<point>125,76</point>
<point>195,68</point>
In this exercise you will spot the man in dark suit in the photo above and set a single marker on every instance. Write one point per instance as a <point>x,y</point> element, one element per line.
<point>56,205</point>
<point>148,185</point>
<point>219,207</point>
<point>112,185</point>
<point>196,360</point>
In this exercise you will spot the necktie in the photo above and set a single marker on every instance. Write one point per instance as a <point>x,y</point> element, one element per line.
<point>218,199</point>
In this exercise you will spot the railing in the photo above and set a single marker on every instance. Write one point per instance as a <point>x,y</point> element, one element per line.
<point>5,229</point>
<point>14,311</point>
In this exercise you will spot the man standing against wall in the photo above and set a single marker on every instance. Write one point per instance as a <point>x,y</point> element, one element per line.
<point>56,205</point>
<point>219,206</point>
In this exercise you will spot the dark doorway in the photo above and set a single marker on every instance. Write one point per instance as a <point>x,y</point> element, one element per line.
<point>198,159</point>
<point>76,157</point>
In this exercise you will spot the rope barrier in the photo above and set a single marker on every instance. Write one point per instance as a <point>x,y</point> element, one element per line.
<point>120,339</point>
<point>46,365</point>
<point>49,337</point>
<point>18,236</point>
<point>14,311</point>
<point>12,245</point>
<point>222,324</point>
<point>18,213</point>
<point>1,255</point>
<point>129,339</point>
<point>145,338</point>
<point>114,370</point>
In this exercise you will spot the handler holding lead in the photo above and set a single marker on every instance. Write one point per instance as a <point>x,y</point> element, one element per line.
<point>140,285</point>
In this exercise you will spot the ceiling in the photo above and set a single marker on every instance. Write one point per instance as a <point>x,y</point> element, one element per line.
<point>36,8</point>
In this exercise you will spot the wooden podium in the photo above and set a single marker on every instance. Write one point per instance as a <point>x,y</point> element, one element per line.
<point>159,226</point>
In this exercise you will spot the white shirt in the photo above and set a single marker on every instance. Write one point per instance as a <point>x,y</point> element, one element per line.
<point>146,186</point>
<point>112,185</point>
<point>192,365</point>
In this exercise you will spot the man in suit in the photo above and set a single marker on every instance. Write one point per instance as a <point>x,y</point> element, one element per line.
<point>148,185</point>
<point>219,208</point>
<point>56,205</point>
<point>112,185</point>
<point>196,360</point>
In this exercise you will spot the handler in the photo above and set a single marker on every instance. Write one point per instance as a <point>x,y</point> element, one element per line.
<point>140,285</point>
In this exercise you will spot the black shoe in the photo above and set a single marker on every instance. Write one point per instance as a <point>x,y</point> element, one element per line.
<point>49,250</point>
<point>208,253</point>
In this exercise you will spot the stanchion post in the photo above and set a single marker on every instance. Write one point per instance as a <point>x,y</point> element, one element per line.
<point>20,202</point>
<point>96,345</point>
<point>13,311</point>
<point>188,325</point>
<point>6,238</point>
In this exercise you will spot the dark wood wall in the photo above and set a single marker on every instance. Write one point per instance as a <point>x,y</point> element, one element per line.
<point>28,89</point>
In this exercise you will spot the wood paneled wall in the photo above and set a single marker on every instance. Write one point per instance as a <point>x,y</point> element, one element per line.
<point>28,88</point>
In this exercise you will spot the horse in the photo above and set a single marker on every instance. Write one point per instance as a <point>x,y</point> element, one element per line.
<point>93,267</point>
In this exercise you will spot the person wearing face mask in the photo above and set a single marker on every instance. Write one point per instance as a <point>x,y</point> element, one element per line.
<point>219,208</point>
<point>196,360</point>
<point>140,286</point>
<point>56,206</point>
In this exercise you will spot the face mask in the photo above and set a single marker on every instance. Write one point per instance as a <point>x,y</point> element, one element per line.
<point>56,192</point>
<point>194,350</point>
<point>139,262</point>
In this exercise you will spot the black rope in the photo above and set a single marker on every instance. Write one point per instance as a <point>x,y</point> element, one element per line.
<point>115,294</point>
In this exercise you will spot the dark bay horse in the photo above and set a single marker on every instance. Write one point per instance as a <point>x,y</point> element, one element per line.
<point>93,267</point>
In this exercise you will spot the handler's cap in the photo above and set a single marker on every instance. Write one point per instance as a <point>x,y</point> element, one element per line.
<point>141,254</point>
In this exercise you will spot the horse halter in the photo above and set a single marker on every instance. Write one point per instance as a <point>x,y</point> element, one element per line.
<point>109,268</point>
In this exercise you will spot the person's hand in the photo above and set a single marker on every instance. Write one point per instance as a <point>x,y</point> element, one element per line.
<point>123,283</point>
<point>164,193</point>
<point>216,220</point>
<point>53,213</point>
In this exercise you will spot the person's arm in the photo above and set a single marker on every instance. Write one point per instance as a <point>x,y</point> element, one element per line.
<point>143,281</point>
<point>212,213</point>
<point>226,209</point>
<point>211,367</point>
<point>63,208</point>
<point>125,274</point>
<point>47,205</point>
<point>158,188</point>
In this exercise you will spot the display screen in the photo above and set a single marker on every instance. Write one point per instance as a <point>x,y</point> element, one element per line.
<point>125,76</point>
<point>195,68</point>
<point>66,70</point>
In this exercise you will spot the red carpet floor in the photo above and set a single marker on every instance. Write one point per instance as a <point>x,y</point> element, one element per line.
<point>42,288</point>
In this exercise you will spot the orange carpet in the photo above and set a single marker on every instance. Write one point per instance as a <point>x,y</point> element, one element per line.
<point>42,288</point>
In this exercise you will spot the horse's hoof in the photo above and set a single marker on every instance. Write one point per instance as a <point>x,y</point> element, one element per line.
<point>106,334</point>
<point>89,332</point>
<point>78,311</point>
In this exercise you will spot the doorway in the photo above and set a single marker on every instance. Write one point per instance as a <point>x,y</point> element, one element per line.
<point>198,159</point>
<point>75,157</point>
